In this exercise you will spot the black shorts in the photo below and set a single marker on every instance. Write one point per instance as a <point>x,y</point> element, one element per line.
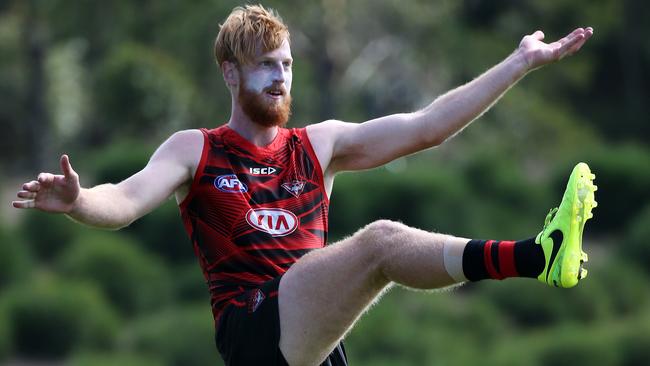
<point>249,334</point>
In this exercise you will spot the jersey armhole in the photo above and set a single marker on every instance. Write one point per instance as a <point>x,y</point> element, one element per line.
<point>199,169</point>
<point>312,155</point>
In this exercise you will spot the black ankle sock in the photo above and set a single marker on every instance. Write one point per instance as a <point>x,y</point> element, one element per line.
<point>483,259</point>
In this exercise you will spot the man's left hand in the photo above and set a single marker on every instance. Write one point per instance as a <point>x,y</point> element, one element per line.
<point>537,53</point>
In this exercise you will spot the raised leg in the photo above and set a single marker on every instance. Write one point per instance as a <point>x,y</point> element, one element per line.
<point>325,292</point>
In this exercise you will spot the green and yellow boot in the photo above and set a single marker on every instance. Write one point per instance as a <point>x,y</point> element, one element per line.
<point>561,237</point>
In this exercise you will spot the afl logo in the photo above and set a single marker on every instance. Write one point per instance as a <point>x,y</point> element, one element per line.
<point>229,184</point>
<point>273,221</point>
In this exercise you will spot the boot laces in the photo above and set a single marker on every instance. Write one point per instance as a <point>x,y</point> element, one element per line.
<point>549,217</point>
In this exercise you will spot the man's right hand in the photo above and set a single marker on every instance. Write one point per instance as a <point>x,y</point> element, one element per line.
<point>51,192</point>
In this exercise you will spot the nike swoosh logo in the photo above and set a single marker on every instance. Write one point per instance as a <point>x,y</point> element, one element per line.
<point>557,238</point>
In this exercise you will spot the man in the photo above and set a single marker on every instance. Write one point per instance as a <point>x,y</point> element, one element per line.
<point>254,199</point>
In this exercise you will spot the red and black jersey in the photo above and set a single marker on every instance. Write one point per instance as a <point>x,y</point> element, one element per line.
<point>253,211</point>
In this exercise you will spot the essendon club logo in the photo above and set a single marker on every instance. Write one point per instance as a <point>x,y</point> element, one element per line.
<point>294,187</point>
<point>255,300</point>
<point>273,221</point>
<point>230,184</point>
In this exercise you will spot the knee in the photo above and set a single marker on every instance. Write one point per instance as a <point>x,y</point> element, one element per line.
<point>379,236</point>
<point>383,229</point>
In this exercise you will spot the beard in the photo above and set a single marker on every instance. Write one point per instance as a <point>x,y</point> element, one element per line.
<point>261,110</point>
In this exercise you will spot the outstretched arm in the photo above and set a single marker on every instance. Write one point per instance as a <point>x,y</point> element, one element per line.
<point>113,206</point>
<point>349,146</point>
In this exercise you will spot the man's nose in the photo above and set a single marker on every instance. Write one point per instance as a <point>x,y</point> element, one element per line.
<point>279,75</point>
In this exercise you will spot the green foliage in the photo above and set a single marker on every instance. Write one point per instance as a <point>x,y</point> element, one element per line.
<point>112,359</point>
<point>183,336</point>
<point>620,281</point>
<point>142,87</point>
<point>634,246</point>
<point>189,283</point>
<point>162,232</point>
<point>570,346</point>
<point>623,180</point>
<point>14,258</point>
<point>47,235</point>
<point>5,336</point>
<point>50,318</point>
<point>634,341</point>
<point>133,281</point>
<point>409,328</point>
<point>564,345</point>
<point>119,161</point>
<point>430,196</point>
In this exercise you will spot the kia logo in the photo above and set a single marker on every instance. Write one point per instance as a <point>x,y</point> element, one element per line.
<point>273,221</point>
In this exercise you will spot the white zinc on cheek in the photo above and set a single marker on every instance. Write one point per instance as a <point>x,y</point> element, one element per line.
<point>260,77</point>
<point>257,81</point>
<point>288,78</point>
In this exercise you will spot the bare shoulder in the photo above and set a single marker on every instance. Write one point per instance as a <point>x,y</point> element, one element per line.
<point>326,138</point>
<point>182,152</point>
<point>186,139</point>
<point>328,133</point>
<point>183,146</point>
<point>325,129</point>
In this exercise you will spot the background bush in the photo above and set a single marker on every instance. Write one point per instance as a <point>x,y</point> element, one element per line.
<point>132,280</point>
<point>50,318</point>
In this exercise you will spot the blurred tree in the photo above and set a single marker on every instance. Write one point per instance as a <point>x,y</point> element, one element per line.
<point>189,284</point>
<point>634,342</point>
<point>570,346</point>
<point>133,281</point>
<point>50,318</point>
<point>623,178</point>
<point>145,90</point>
<point>5,336</point>
<point>633,247</point>
<point>12,88</point>
<point>47,235</point>
<point>15,258</point>
<point>181,337</point>
<point>111,359</point>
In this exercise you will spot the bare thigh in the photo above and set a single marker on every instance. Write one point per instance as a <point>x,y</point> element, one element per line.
<point>324,293</point>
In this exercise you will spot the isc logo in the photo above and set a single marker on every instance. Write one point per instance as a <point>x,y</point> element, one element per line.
<point>262,171</point>
<point>273,221</point>
<point>230,184</point>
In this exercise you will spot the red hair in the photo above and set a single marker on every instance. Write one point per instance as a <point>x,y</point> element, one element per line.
<point>246,29</point>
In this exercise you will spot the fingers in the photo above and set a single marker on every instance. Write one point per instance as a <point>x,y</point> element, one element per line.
<point>24,204</point>
<point>569,43</point>
<point>66,167</point>
<point>573,41</point>
<point>45,179</point>
<point>538,35</point>
<point>26,194</point>
<point>28,199</point>
<point>33,186</point>
<point>587,34</point>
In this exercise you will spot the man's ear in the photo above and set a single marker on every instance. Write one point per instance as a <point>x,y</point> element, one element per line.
<point>230,73</point>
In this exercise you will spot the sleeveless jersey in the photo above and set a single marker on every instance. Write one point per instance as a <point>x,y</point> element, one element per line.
<point>252,211</point>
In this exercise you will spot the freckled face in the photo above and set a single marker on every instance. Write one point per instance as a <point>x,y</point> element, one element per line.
<point>264,91</point>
